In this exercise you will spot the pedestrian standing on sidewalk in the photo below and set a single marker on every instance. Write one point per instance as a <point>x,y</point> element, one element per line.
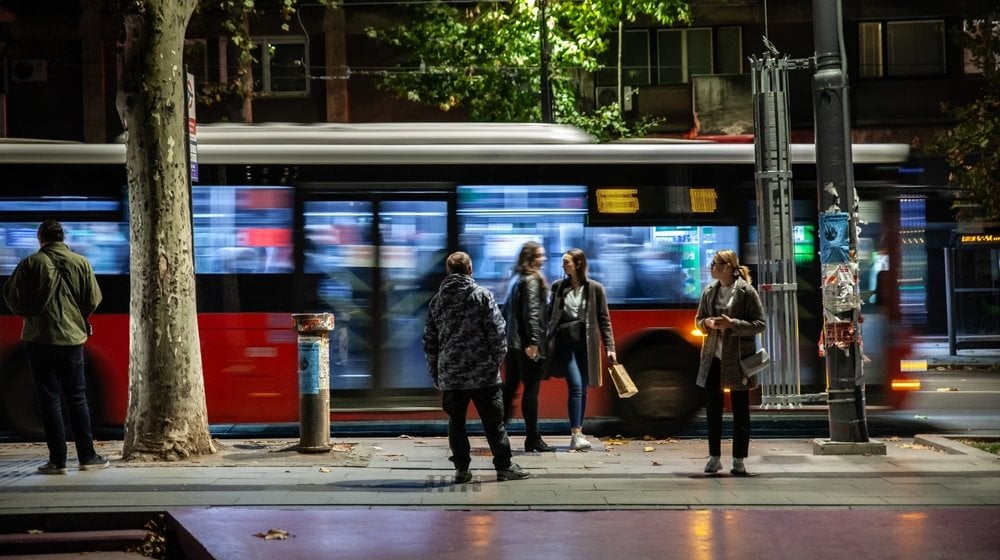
<point>465,343</point>
<point>580,322</point>
<point>731,314</point>
<point>55,291</point>
<point>526,315</point>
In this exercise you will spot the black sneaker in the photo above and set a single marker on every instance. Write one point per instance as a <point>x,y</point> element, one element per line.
<point>97,462</point>
<point>462,476</point>
<point>52,468</point>
<point>513,472</point>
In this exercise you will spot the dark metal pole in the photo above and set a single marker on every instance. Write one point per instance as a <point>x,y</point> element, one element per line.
<point>543,35</point>
<point>838,229</point>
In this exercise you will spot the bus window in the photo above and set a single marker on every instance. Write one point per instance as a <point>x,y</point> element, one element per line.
<point>242,229</point>
<point>638,265</point>
<point>94,228</point>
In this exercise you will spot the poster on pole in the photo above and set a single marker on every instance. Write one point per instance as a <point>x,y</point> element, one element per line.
<point>835,238</point>
<point>192,127</point>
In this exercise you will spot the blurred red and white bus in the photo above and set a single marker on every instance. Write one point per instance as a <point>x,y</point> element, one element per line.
<point>357,219</point>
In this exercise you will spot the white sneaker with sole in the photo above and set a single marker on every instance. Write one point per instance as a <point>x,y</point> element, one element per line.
<point>579,443</point>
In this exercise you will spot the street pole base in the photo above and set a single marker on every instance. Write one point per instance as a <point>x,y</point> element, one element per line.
<point>316,449</point>
<point>827,447</point>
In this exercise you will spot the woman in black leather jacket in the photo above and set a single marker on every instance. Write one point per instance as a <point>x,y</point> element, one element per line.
<point>525,313</point>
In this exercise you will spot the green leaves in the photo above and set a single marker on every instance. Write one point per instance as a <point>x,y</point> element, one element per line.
<point>486,58</point>
<point>972,146</point>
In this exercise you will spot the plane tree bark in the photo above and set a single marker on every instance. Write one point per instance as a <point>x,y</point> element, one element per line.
<point>167,417</point>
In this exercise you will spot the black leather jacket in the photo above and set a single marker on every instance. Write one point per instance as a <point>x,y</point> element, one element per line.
<point>526,314</point>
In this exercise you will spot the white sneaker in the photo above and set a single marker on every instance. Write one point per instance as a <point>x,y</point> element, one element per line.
<point>714,464</point>
<point>739,468</point>
<point>579,443</point>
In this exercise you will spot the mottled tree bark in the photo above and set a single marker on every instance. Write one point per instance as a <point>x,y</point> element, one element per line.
<point>167,417</point>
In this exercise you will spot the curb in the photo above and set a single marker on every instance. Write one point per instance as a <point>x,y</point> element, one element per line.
<point>949,444</point>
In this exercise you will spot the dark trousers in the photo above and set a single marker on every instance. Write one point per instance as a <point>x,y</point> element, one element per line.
<point>713,410</point>
<point>520,369</point>
<point>59,378</point>
<point>489,404</point>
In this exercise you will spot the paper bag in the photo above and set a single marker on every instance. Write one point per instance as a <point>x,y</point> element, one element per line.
<point>623,381</point>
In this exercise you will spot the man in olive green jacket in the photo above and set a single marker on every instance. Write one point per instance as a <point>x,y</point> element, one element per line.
<point>55,290</point>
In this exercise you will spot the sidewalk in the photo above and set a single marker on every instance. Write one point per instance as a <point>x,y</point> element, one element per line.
<point>394,498</point>
<point>408,472</point>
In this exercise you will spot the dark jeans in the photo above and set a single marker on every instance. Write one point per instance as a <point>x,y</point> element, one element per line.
<point>489,405</point>
<point>713,410</point>
<point>521,369</point>
<point>59,378</point>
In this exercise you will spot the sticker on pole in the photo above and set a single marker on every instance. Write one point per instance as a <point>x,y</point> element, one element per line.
<point>310,356</point>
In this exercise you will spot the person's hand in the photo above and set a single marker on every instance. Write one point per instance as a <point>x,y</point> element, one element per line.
<point>723,323</point>
<point>612,357</point>
<point>532,352</point>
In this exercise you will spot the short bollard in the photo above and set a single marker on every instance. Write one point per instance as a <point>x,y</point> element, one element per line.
<point>314,381</point>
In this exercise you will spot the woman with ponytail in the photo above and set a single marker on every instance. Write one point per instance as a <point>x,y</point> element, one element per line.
<point>731,315</point>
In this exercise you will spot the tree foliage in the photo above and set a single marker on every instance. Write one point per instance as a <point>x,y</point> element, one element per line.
<point>485,57</point>
<point>972,147</point>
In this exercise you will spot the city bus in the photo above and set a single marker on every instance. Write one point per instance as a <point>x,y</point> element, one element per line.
<point>356,220</point>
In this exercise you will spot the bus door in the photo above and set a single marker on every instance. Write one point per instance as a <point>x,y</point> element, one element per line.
<point>374,259</point>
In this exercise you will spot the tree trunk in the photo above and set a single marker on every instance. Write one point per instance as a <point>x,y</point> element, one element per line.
<point>167,418</point>
<point>335,31</point>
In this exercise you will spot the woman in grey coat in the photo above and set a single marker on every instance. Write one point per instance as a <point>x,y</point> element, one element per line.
<point>731,314</point>
<point>578,325</point>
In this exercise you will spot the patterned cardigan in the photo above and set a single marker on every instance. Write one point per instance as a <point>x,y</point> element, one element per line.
<point>737,342</point>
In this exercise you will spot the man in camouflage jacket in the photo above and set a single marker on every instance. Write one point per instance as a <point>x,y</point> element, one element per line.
<point>465,342</point>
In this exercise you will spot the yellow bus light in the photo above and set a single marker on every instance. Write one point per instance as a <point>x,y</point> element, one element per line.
<point>912,365</point>
<point>905,385</point>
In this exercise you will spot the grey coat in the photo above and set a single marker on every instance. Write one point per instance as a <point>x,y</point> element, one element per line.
<point>597,325</point>
<point>737,342</point>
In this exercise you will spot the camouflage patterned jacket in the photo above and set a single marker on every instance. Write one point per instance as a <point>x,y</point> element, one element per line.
<point>464,337</point>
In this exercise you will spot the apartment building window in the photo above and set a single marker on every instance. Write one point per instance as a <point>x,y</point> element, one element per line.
<point>729,50</point>
<point>635,60</point>
<point>901,48</point>
<point>280,66</point>
<point>682,53</point>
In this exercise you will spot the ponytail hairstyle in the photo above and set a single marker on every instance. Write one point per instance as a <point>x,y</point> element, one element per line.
<point>730,258</point>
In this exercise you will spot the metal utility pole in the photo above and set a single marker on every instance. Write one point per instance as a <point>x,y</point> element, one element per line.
<point>841,338</point>
<point>780,383</point>
<point>543,39</point>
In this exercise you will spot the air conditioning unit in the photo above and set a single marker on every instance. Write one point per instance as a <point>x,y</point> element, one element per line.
<point>28,70</point>
<point>606,95</point>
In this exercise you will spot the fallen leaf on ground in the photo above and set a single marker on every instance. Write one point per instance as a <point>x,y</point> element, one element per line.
<point>404,436</point>
<point>274,535</point>
<point>341,447</point>
<point>324,470</point>
<point>656,464</point>
<point>648,448</point>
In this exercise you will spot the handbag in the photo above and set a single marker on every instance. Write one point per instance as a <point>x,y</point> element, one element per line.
<point>754,363</point>
<point>623,381</point>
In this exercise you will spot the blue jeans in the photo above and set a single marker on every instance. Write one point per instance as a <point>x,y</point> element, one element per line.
<point>59,378</point>
<point>571,358</point>
<point>489,405</point>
